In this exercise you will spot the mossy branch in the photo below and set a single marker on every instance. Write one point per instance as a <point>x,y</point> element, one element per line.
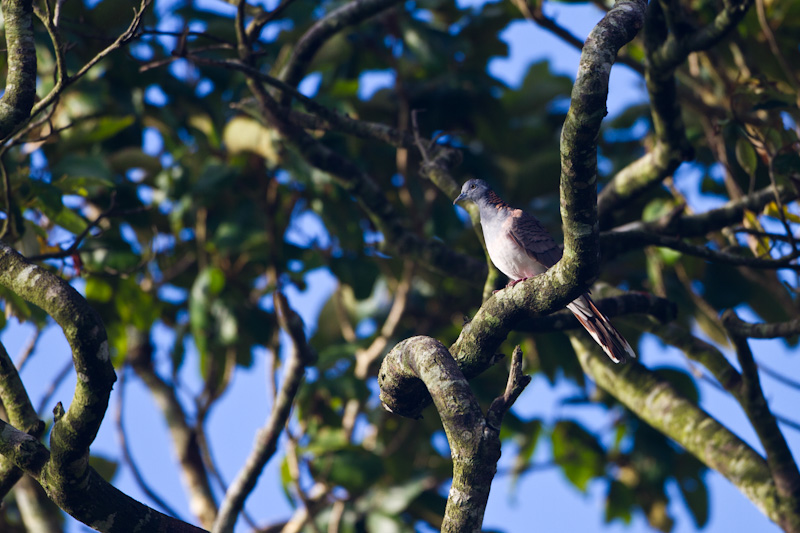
<point>19,412</point>
<point>20,91</point>
<point>667,46</point>
<point>64,470</point>
<point>659,404</point>
<point>423,363</point>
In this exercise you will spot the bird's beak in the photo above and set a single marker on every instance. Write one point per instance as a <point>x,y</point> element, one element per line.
<point>459,198</point>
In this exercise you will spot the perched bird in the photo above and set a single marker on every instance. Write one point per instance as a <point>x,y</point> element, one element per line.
<point>521,248</point>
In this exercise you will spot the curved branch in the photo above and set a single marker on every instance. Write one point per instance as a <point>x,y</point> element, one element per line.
<point>64,472</point>
<point>665,52</point>
<point>84,330</point>
<point>579,147</point>
<point>424,363</point>
<point>20,91</point>
<point>578,267</point>
<point>351,13</point>
<point>105,508</point>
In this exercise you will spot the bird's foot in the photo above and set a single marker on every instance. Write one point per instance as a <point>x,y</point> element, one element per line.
<point>510,284</point>
<point>515,281</point>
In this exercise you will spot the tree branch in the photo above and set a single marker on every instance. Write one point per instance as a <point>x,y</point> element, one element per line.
<point>19,412</point>
<point>304,50</point>
<point>665,52</point>
<point>656,401</point>
<point>424,363</point>
<point>74,432</point>
<point>572,275</point>
<point>630,240</point>
<point>20,91</point>
<point>779,458</point>
<point>267,437</point>
<point>184,437</point>
<point>743,329</point>
<point>674,224</point>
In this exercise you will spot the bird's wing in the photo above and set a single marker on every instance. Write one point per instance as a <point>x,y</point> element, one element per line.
<point>531,236</point>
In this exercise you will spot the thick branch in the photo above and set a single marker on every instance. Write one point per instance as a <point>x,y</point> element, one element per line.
<point>665,52</point>
<point>74,432</point>
<point>20,90</point>
<point>572,275</point>
<point>423,362</point>
<point>19,412</point>
<point>656,401</point>
<point>104,507</point>
<point>579,144</point>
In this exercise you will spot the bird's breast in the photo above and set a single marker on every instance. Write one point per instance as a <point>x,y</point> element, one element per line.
<point>510,258</point>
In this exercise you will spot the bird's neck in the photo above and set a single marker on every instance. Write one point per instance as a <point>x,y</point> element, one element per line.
<point>492,201</point>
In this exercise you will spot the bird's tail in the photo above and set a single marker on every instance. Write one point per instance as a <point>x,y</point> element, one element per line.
<point>600,328</point>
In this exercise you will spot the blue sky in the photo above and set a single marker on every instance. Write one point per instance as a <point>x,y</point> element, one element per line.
<point>543,499</point>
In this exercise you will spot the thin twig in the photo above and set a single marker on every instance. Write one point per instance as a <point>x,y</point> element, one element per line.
<point>27,350</point>
<point>264,18</point>
<point>127,457</point>
<point>267,438</point>
<point>517,381</point>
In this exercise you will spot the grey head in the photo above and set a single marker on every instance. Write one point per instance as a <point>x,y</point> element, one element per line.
<point>475,190</point>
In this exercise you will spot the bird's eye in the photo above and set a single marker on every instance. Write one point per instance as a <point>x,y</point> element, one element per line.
<point>472,186</point>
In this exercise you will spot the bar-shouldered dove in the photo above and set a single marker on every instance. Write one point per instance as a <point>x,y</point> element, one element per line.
<point>521,248</point>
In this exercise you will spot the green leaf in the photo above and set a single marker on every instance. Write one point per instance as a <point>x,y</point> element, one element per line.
<point>286,481</point>
<point>84,166</point>
<point>82,185</point>
<point>351,467</point>
<point>746,156</point>
<point>105,467</point>
<point>98,290</point>
<point>578,452</point>
<point>619,502</point>
<point>105,128</point>
<point>208,284</point>
<point>526,439</point>
<point>70,221</point>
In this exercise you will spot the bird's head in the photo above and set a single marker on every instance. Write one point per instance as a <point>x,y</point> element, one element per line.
<point>474,190</point>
